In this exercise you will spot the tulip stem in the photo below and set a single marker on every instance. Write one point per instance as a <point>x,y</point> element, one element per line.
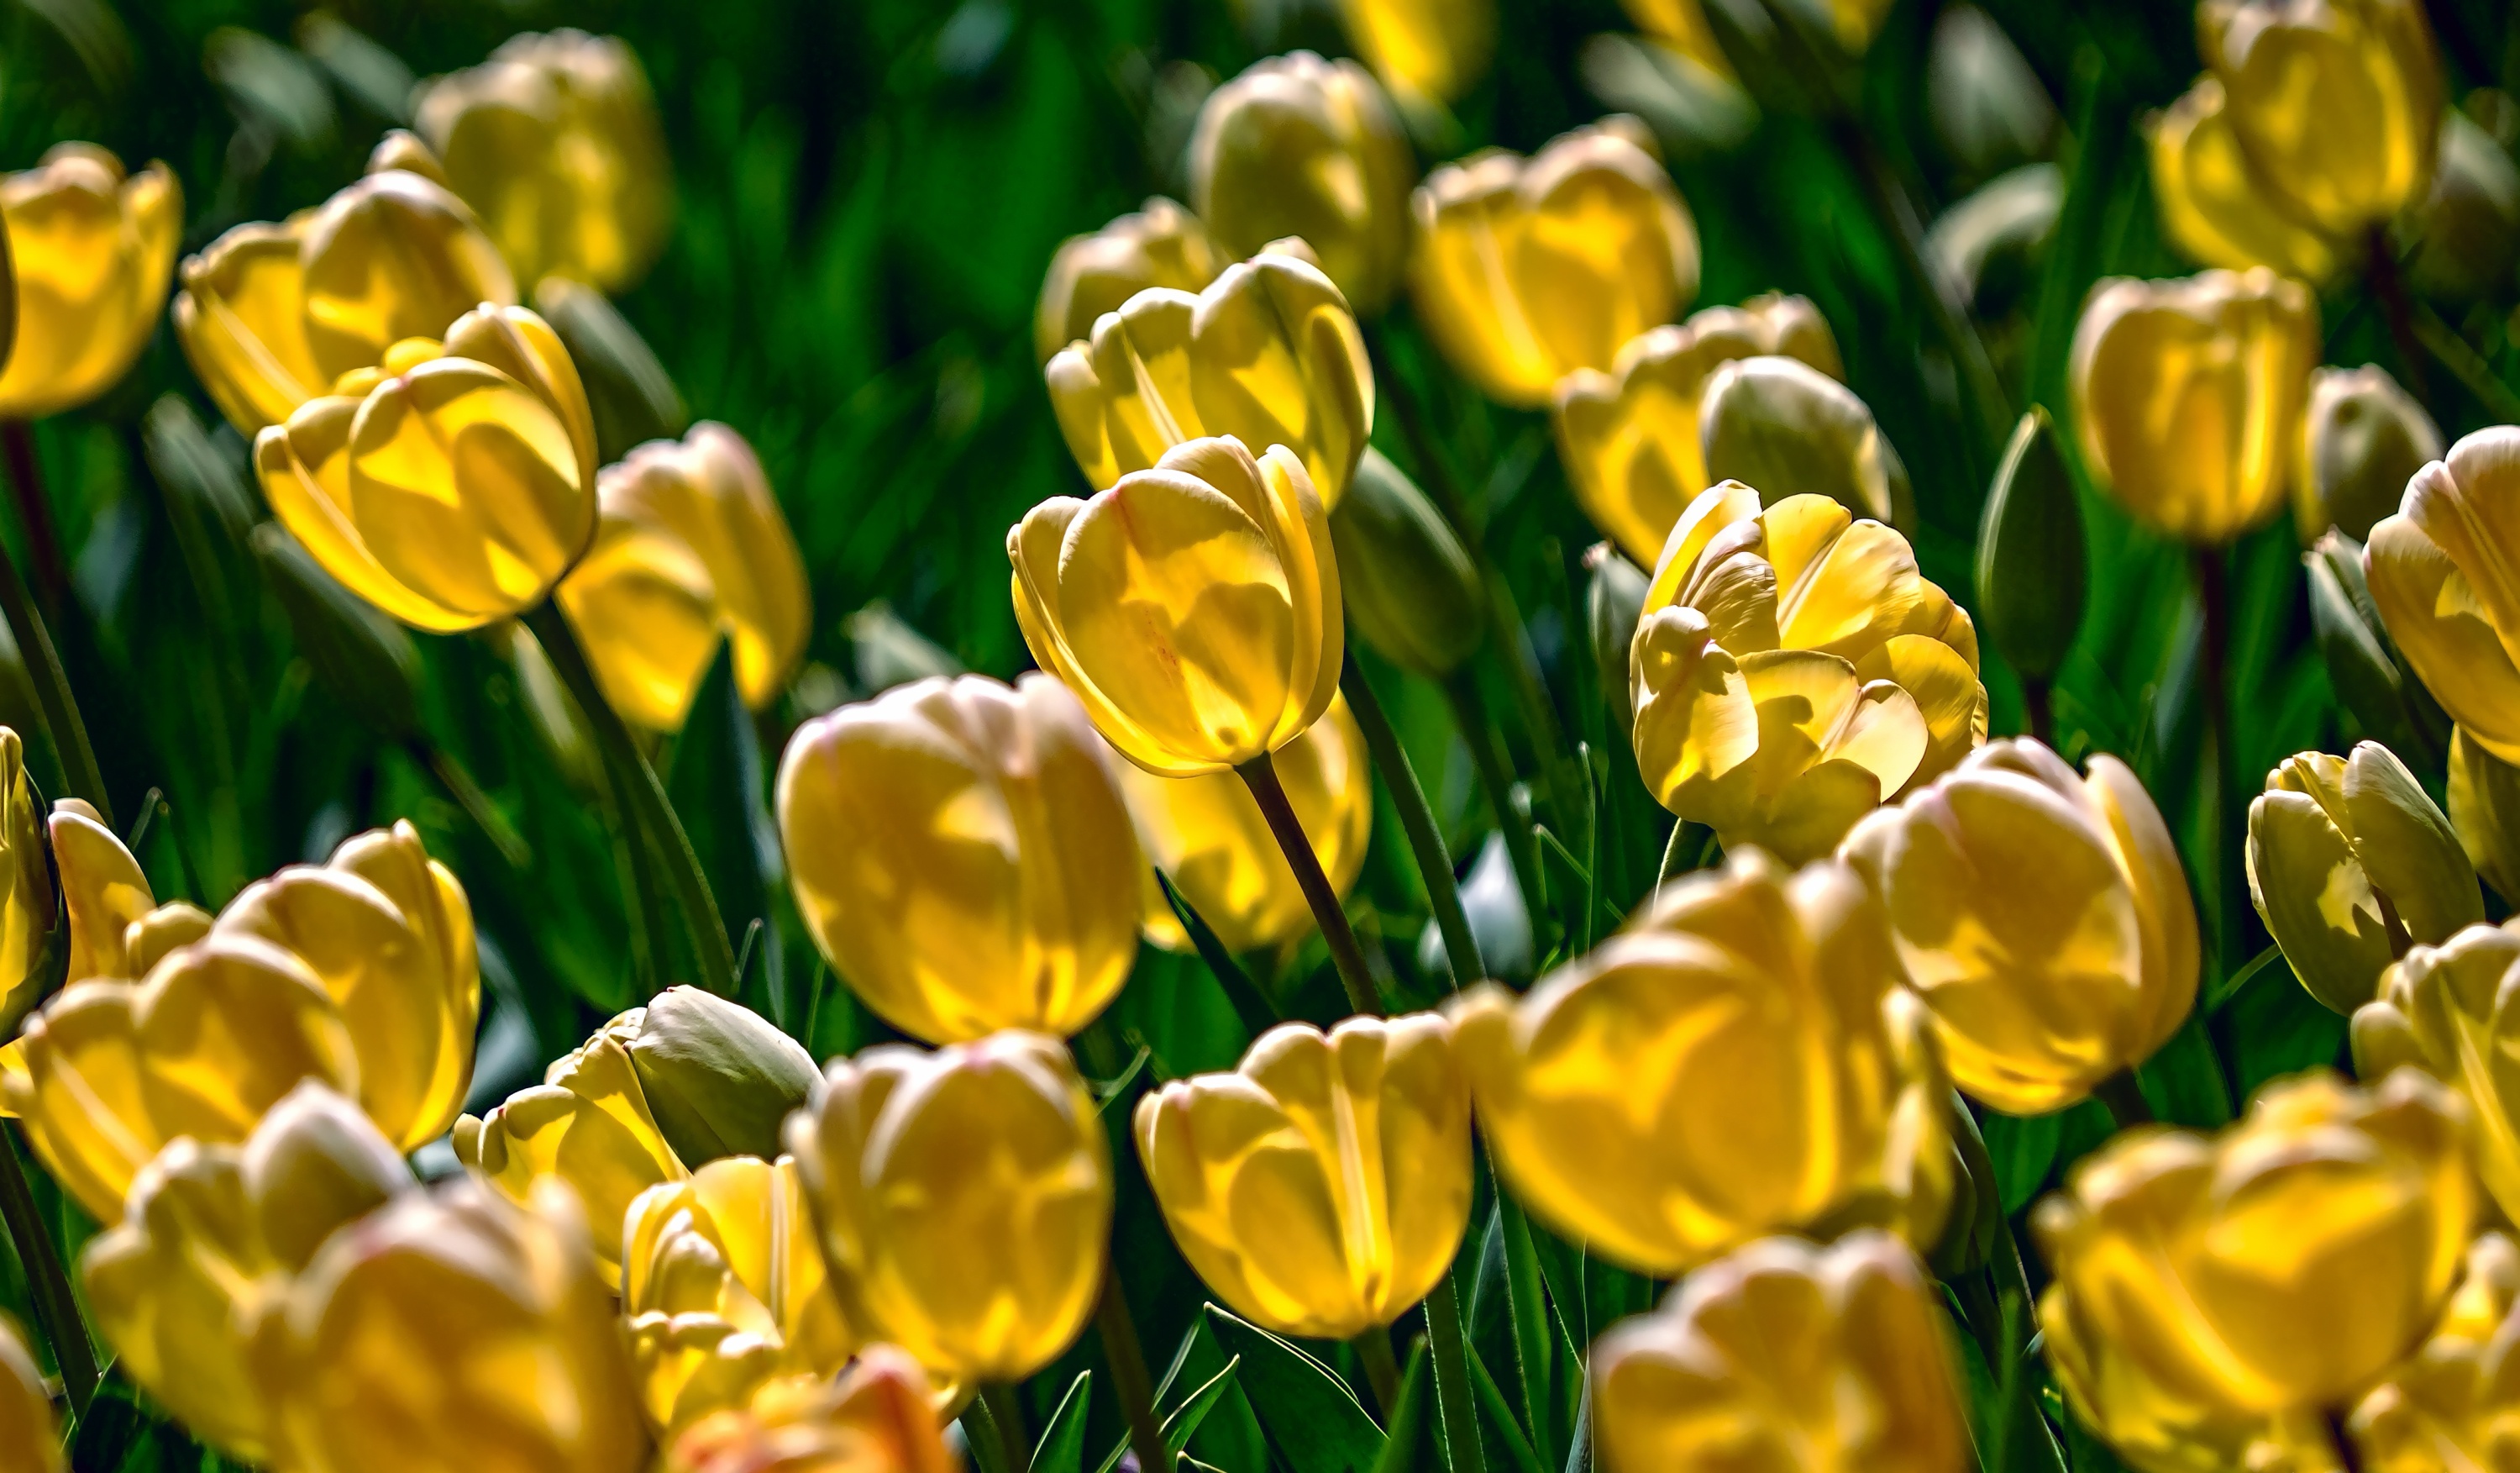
<point>57,1311</point>
<point>1129,1379</point>
<point>2390,289</point>
<point>451,775</point>
<point>2038,710</point>
<point>1261,777</point>
<point>2125,1099</point>
<point>2212,678</point>
<point>1417,820</point>
<point>53,696</point>
<point>999,1396</point>
<point>2349,1453</point>
<point>35,514</point>
<point>1496,778</point>
<point>1381,1371</point>
<point>2465,364</point>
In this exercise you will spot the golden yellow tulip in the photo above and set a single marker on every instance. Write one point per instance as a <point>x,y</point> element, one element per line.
<point>2041,916</point>
<point>2216,1297</point>
<point>960,851</point>
<point>2449,1404</point>
<point>1525,270</point>
<point>1788,1356</point>
<point>1208,836</point>
<point>1741,1061</point>
<point>94,253</point>
<point>2438,1010</point>
<point>1297,146</point>
<point>1792,670</point>
<point>1680,26</point>
<point>690,548</point>
<point>1267,353</point>
<point>2362,439</point>
<point>1322,1187</point>
<point>2446,588</point>
<point>1427,51</point>
<point>964,1198</point>
<point>2338,105</point>
<point>2485,812</point>
<point>28,1440</point>
<point>1629,438</point>
<point>2215,207</point>
<point>1160,245</point>
<point>555,141</point>
<point>105,897</point>
<point>26,897</point>
<point>874,1419</point>
<point>453,1332</point>
<point>1192,608</point>
<point>2187,396</point>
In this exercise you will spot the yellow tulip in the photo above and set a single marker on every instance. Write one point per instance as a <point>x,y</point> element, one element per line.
<point>960,851</point>
<point>1680,26</point>
<point>1427,51</point>
<point>2338,105</point>
<point>1629,438</point>
<point>1778,422</point>
<point>1785,1356</point>
<point>1323,1187</point>
<point>2043,917</point>
<point>1741,1061</point>
<point>2449,1404</point>
<point>875,1419</point>
<point>1208,836</point>
<point>2215,207</point>
<point>1267,353</point>
<point>1297,146</point>
<point>2362,439</point>
<point>690,548</point>
<point>1160,245</point>
<point>2215,1297</point>
<point>2437,1011</point>
<point>1192,608</point>
<point>718,1077</point>
<point>1525,270</point>
<point>555,141</point>
<point>2446,590</point>
<point>1792,670</point>
<point>25,887</point>
<point>964,1198</point>
<point>2485,812</point>
<point>105,896</point>
<point>2187,396</point>
<point>28,1440</point>
<point>94,252</point>
<point>453,1332</point>
<point>2349,863</point>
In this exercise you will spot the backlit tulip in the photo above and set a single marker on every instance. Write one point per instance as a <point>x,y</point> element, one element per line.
<point>1427,51</point>
<point>690,549</point>
<point>964,1198</point>
<point>1160,244</point>
<point>2362,439</point>
<point>960,851</point>
<point>1526,270</point>
<point>1266,353</point>
<point>718,1077</point>
<point>2217,207</point>
<point>28,1440</point>
<point>113,916</point>
<point>2041,916</point>
<point>1629,438</point>
<point>2215,1295</point>
<point>1778,422</point>
<point>1192,608</point>
<point>1297,146</point>
<point>1322,1187</point>
<point>1786,1355</point>
<point>26,888</point>
<point>2338,105</point>
<point>2440,1010</point>
<point>2446,588</point>
<point>874,1419</point>
<point>555,141</point>
<point>1741,1061</point>
<point>1206,833</point>
<point>2485,812</point>
<point>2350,863</point>
<point>94,252</point>
<point>2449,1404</point>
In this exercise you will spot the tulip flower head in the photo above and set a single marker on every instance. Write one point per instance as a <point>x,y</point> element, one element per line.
<point>2215,207</point>
<point>2440,1010</point>
<point>26,893</point>
<point>874,1419</point>
<point>2362,439</point>
<point>1408,583</point>
<point>2446,591</point>
<point>2451,1401</point>
<point>1425,51</point>
<point>28,1440</point>
<point>2485,812</point>
<point>93,251</point>
<point>1160,245</point>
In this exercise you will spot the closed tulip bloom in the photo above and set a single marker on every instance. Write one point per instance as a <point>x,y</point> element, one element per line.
<point>2467,228</point>
<point>2449,1404</point>
<point>2440,1010</point>
<point>964,1198</point>
<point>1267,353</point>
<point>1629,438</point>
<point>1194,607</point>
<point>2485,812</point>
<point>1526,270</point>
<point>875,1419</point>
<point>2445,588</point>
<point>1160,244</point>
<point>1790,1356</point>
<point>690,549</point>
<point>2215,1295</point>
<point>960,851</point>
<point>1738,1062</point>
<point>1206,835</point>
<point>719,1078</point>
<point>1322,1187</point>
<point>2349,865</point>
<point>2338,103</point>
<point>1411,588</point>
<point>1778,422</point>
<point>1427,51</point>
<point>103,894</point>
<point>1297,146</point>
<point>28,1438</point>
<point>2362,439</point>
<point>2215,207</point>
<point>93,251</point>
<point>555,141</point>
<point>27,894</point>
<point>2041,916</point>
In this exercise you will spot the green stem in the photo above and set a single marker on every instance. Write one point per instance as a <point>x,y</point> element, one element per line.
<point>475,804</point>
<point>57,1311</point>
<point>2025,1443</point>
<point>2213,674</point>
<point>2125,1099</point>
<point>1496,778</point>
<point>1129,1379</point>
<point>2038,710</point>
<point>1453,1394</point>
<point>2381,270</point>
<point>1000,1398</point>
<point>53,696</point>
<point>1261,777</point>
<point>1381,1371</point>
<point>1417,822</point>
<point>35,514</point>
<point>2465,364</point>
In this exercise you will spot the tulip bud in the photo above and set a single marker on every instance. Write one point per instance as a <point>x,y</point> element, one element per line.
<point>2337,105</point>
<point>1987,106</point>
<point>717,1076</point>
<point>92,251</point>
<point>1297,146</point>
<point>1733,1365</point>
<point>2468,227</point>
<point>964,1198</point>
<point>26,897</point>
<point>28,1440</point>
<point>2370,677</point>
<point>2214,1296</point>
<point>1406,578</point>
<point>875,1419</point>
<point>2445,1405</point>
<point>361,657</point>
<point>2043,917</point>
<point>1660,1099</point>
<point>2217,207</point>
<point>1778,422</point>
<point>632,397</point>
<point>1614,599</point>
<point>1975,1224</point>
<point>2485,812</point>
<point>2362,440</point>
<point>1500,922</point>
<point>1009,893</point>
<point>2436,1012</point>
<point>2446,590</point>
<point>2029,552</point>
<point>1524,271</point>
<point>1629,438</point>
<point>1429,52</point>
<point>1163,245</point>
<point>1119,596</point>
<point>555,141</point>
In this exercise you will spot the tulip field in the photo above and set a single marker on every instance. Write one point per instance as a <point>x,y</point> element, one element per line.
<point>1260,736</point>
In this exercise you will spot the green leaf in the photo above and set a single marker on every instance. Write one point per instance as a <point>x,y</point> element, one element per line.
<point>1409,1444</point>
<point>1309,1413</point>
<point>1184,1424</point>
<point>1500,1417</point>
<point>2022,1148</point>
<point>122,1434</point>
<point>716,785</point>
<point>2184,1079</point>
<point>1530,1323</point>
<point>1062,1449</point>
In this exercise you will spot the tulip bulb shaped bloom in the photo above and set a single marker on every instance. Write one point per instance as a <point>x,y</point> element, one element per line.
<point>962,854</point>
<point>1193,609</point>
<point>2187,396</point>
<point>93,251</point>
<point>1160,244</point>
<point>2445,589</point>
<point>2337,105</point>
<point>28,1440</point>
<point>2213,1296</point>
<point>2217,207</point>
<point>2442,1010</point>
<point>965,1199</point>
<point>2041,916</point>
<point>875,1419</point>
<point>1427,51</point>
<point>1741,1061</point>
<point>26,893</point>
<point>2362,439</point>
<point>2449,1402</point>
<point>1790,1356</point>
<point>1323,1187</point>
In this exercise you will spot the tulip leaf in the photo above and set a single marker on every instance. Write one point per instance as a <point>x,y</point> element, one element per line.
<point>717,788</point>
<point>1309,1415</point>
<point>122,1434</point>
<point>2022,1148</point>
<point>1062,1449</point>
<point>1186,1420</point>
<point>1409,1444</point>
<point>1500,1418</point>
<point>1250,1004</point>
<point>2273,1027</point>
<point>2184,1079</point>
<point>1529,1316</point>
